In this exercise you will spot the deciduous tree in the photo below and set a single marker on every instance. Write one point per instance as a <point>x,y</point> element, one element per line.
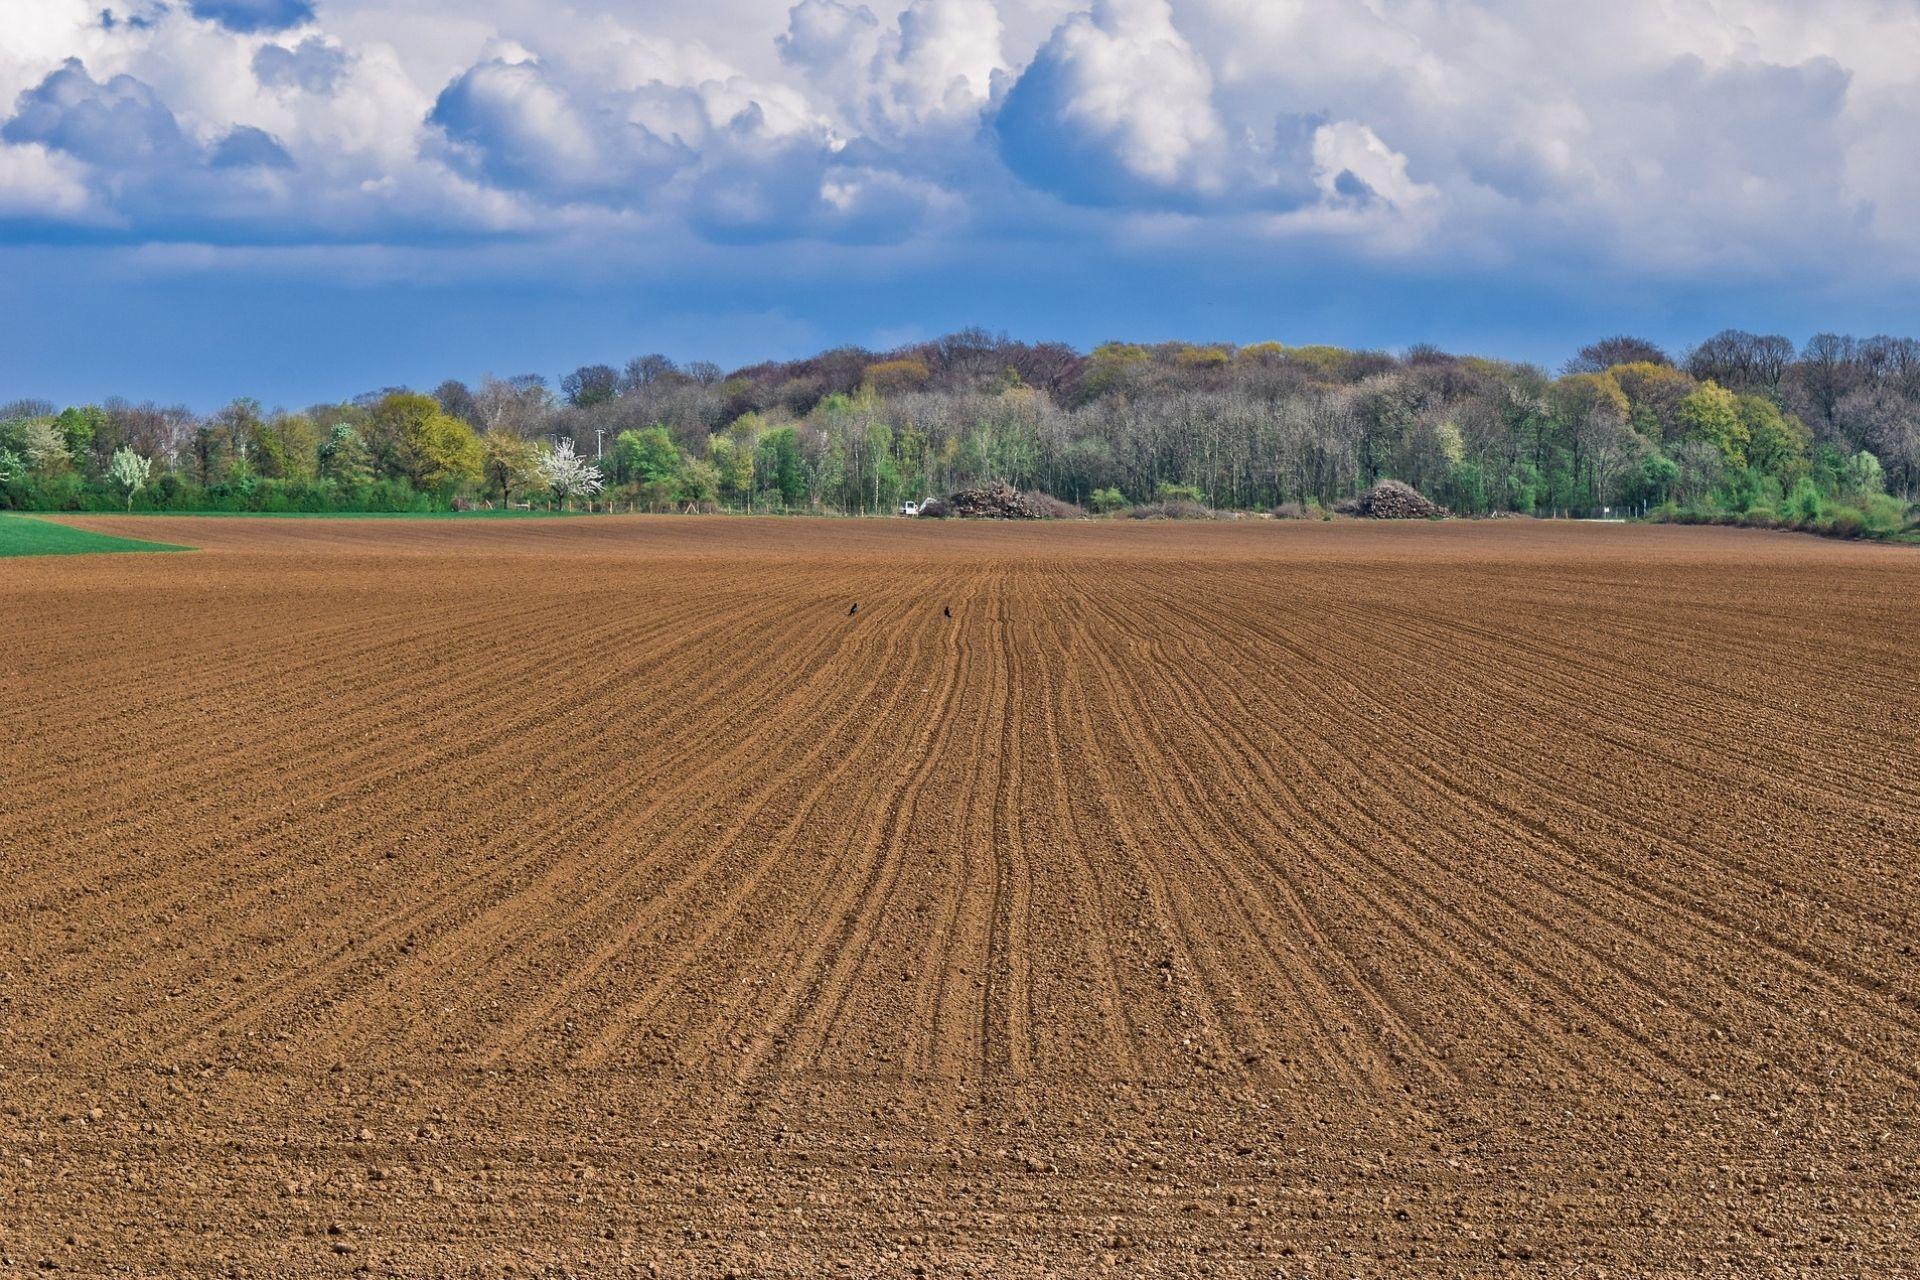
<point>1711,414</point>
<point>567,474</point>
<point>438,453</point>
<point>344,458</point>
<point>509,464</point>
<point>590,385</point>
<point>129,471</point>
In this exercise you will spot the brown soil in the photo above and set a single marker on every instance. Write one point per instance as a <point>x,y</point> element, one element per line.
<point>575,897</point>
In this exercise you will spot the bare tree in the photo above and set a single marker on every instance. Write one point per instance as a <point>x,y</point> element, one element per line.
<point>458,401</point>
<point>1598,357</point>
<point>1742,361</point>
<point>589,385</point>
<point>521,404</point>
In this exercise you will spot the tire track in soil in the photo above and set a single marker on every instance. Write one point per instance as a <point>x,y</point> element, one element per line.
<point>1006,1010</point>
<point>871,880</point>
<point>796,1036</point>
<point>781,949</point>
<point>1348,1008</point>
<point>1250,1032</point>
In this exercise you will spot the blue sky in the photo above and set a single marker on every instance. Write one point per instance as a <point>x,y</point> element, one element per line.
<point>304,199</point>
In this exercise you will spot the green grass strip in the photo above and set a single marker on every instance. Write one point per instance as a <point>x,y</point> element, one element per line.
<point>349,515</point>
<point>26,536</point>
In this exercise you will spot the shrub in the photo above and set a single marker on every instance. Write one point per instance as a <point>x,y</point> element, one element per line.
<point>1846,522</point>
<point>1883,514</point>
<point>1178,509</point>
<point>1179,493</point>
<point>1290,511</point>
<point>1109,500</point>
<point>1864,475</point>
<point>59,491</point>
<point>1761,518</point>
<point>1048,507</point>
<point>1804,504</point>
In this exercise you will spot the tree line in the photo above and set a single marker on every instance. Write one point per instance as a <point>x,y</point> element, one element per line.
<point>1743,426</point>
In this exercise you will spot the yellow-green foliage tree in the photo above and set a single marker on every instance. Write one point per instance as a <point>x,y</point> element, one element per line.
<point>1191,357</point>
<point>1329,361</point>
<point>1654,393</point>
<point>697,483</point>
<point>79,425</point>
<point>732,459</point>
<point>1114,367</point>
<point>1584,395</point>
<point>1777,443</point>
<point>1712,413</point>
<point>649,460</point>
<point>439,453</point>
<point>286,446</point>
<point>891,377</point>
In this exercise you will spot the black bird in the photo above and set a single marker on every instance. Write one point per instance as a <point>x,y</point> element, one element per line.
<point>854,610</point>
<point>948,611</point>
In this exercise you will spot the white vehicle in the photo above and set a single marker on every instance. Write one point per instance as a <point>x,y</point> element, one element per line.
<point>909,508</point>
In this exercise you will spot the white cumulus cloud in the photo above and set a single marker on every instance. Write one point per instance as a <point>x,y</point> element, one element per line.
<point>933,66</point>
<point>38,183</point>
<point>1672,136</point>
<point>1116,101</point>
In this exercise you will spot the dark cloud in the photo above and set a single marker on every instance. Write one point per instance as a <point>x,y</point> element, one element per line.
<point>516,126</point>
<point>120,123</point>
<point>1116,109</point>
<point>798,191</point>
<point>1351,186</point>
<point>249,148</point>
<point>1044,151</point>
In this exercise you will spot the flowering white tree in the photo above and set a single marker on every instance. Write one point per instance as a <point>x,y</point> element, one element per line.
<point>130,471</point>
<point>568,474</point>
<point>43,444</point>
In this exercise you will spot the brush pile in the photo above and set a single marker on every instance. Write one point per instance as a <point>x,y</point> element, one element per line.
<point>1391,500</point>
<point>1000,501</point>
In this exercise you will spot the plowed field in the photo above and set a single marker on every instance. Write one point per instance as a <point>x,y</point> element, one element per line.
<point>577,897</point>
